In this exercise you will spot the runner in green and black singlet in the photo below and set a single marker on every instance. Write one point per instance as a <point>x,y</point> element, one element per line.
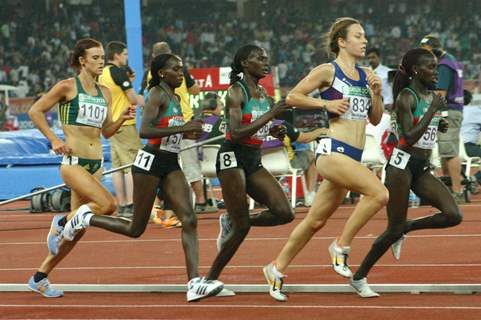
<point>85,114</point>
<point>418,116</point>
<point>249,116</point>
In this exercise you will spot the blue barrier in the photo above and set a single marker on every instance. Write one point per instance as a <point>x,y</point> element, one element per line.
<point>26,162</point>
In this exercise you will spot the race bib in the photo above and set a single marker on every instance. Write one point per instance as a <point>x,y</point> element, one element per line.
<point>207,127</point>
<point>324,146</point>
<point>171,143</point>
<point>144,160</point>
<point>92,110</point>
<point>358,108</point>
<point>428,140</point>
<point>227,160</point>
<point>223,127</point>
<point>263,132</point>
<point>399,158</point>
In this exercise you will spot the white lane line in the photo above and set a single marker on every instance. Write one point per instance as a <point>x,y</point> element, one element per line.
<point>300,266</point>
<point>253,238</point>
<point>5,214</point>
<point>238,306</point>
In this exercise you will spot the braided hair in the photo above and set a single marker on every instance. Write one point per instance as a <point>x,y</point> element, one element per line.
<point>405,71</point>
<point>236,66</point>
<point>158,63</point>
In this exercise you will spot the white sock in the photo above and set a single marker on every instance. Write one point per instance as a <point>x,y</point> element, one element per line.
<point>87,218</point>
<point>276,272</point>
<point>84,210</point>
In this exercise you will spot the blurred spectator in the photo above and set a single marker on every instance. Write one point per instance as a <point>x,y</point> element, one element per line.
<point>374,59</point>
<point>207,34</point>
<point>471,128</point>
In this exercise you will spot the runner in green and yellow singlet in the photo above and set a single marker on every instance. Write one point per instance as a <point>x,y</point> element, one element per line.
<point>85,113</point>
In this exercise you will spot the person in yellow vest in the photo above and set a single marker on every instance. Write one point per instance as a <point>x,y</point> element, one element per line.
<point>126,142</point>
<point>303,159</point>
<point>190,161</point>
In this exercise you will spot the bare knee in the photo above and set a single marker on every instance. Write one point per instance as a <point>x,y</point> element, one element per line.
<point>455,218</point>
<point>315,224</point>
<point>284,212</point>
<point>106,207</point>
<point>381,196</point>
<point>136,232</point>
<point>189,220</point>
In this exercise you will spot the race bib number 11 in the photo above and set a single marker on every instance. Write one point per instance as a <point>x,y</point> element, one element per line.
<point>144,160</point>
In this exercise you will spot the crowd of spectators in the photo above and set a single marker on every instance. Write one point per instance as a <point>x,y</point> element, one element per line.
<point>35,40</point>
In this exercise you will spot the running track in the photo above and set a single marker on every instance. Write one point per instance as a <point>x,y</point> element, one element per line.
<point>435,256</point>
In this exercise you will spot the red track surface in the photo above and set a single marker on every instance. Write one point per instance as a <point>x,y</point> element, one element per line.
<point>432,256</point>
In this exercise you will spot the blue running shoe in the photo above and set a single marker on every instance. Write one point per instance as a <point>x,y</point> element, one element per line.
<point>224,229</point>
<point>55,234</point>
<point>43,287</point>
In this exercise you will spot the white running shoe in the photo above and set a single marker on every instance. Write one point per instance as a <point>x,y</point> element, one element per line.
<point>275,283</point>
<point>339,259</point>
<point>224,230</point>
<point>199,288</point>
<point>362,288</point>
<point>396,247</point>
<point>74,225</point>
<point>225,293</point>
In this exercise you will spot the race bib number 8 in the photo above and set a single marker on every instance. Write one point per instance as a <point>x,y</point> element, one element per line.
<point>227,160</point>
<point>144,160</point>
<point>324,146</point>
<point>399,159</point>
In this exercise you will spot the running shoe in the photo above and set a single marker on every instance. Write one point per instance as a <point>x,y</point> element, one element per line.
<point>225,293</point>
<point>172,222</point>
<point>55,234</point>
<point>199,288</point>
<point>224,229</point>
<point>74,225</point>
<point>339,259</point>
<point>43,287</point>
<point>396,247</point>
<point>362,288</point>
<point>275,282</point>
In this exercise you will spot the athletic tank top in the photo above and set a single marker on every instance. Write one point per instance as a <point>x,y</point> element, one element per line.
<point>172,117</point>
<point>357,92</point>
<point>84,109</point>
<point>429,138</point>
<point>252,110</point>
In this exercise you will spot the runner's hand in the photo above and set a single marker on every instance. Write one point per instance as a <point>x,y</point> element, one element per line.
<point>278,131</point>
<point>59,147</point>
<point>339,106</point>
